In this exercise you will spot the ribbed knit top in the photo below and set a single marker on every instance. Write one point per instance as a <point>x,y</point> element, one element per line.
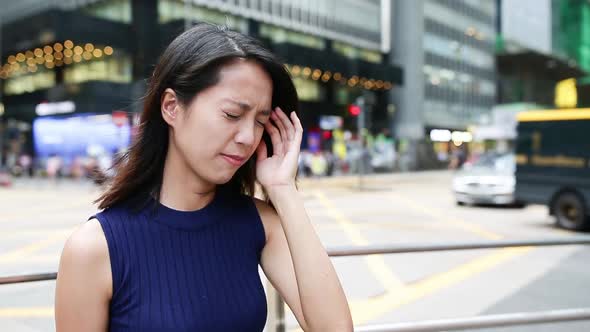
<point>186,271</point>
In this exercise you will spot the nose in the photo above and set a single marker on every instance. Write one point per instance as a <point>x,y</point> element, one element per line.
<point>246,134</point>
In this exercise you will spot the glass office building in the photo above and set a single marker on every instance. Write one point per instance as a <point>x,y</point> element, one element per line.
<point>447,51</point>
<point>97,54</point>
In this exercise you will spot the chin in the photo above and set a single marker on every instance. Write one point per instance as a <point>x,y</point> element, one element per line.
<point>222,177</point>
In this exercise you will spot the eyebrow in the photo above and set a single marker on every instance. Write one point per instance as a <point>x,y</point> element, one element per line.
<point>246,106</point>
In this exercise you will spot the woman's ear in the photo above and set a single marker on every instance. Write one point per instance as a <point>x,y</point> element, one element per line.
<point>170,106</point>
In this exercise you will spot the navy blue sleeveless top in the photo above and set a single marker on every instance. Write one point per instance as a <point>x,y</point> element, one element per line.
<point>186,271</point>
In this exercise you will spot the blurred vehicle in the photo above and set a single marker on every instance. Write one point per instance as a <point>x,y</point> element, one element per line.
<point>553,164</point>
<point>488,180</point>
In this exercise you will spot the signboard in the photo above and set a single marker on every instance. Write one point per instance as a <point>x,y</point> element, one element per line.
<point>62,107</point>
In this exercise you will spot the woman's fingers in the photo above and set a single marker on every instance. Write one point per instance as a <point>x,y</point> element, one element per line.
<point>261,151</point>
<point>279,123</point>
<point>287,124</point>
<point>275,138</point>
<point>297,125</point>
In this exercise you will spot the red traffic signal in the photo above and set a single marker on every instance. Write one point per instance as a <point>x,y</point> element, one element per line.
<point>354,110</point>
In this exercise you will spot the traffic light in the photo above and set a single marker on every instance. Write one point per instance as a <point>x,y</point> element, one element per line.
<point>354,110</point>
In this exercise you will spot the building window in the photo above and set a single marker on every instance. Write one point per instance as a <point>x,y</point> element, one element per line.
<point>112,10</point>
<point>455,50</point>
<point>308,90</point>
<point>43,79</point>
<point>279,35</point>
<point>110,70</point>
<point>353,52</point>
<point>170,10</point>
<point>446,16</point>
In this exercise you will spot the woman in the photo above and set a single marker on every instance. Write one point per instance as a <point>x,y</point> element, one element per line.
<point>179,241</point>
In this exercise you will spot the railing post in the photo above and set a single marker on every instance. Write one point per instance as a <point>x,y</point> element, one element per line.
<point>276,310</point>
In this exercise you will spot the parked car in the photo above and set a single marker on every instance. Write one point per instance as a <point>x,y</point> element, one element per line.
<point>488,180</point>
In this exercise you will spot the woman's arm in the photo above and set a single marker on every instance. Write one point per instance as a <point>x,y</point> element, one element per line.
<point>294,259</point>
<point>297,265</point>
<point>84,284</point>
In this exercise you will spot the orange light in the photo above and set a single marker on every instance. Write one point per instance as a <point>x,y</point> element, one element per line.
<point>69,44</point>
<point>38,52</point>
<point>77,58</point>
<point>87,55</point>
<point>97,52</point>
<point>58,55</point>
<point>48,49</point>
<point>108,50</point>
<point>89,47</point>
<point>68,53</point>
<point>78,50</point>
<point>11,59</point>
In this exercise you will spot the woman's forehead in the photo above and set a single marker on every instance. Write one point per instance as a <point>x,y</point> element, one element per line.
<point>246,84</point>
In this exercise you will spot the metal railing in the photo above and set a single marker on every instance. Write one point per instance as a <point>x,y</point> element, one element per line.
<point>277,306</point>
<point>277,316</point>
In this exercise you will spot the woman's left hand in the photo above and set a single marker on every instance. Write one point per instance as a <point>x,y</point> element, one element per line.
<point>280,169</point>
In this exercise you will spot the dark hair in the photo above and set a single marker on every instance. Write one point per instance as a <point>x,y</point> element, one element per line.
<point>189,65</point>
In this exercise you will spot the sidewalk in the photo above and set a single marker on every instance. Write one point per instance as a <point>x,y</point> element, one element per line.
<point>374,181</point>
<point>369,182</point>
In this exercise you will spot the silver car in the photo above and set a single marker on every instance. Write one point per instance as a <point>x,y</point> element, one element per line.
<point>489,180</point>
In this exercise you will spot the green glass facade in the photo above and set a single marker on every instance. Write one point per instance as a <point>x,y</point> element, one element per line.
<point>571,30</point>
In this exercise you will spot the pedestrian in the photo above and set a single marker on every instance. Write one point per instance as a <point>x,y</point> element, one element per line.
<point>180,237</point>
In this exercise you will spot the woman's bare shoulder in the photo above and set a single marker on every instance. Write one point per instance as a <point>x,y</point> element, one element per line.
<point>88,242</point>
<point>84,282</point>
<point>86,255</point>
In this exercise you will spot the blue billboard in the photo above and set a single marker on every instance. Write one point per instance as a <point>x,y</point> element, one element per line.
<point>79,136</point>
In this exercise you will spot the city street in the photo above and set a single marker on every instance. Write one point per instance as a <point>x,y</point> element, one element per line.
<point>409,208</point>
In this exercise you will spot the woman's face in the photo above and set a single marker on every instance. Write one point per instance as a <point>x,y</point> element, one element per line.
<point>221,128</point>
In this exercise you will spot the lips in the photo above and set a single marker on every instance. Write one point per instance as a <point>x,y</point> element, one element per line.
<point>234,160</point>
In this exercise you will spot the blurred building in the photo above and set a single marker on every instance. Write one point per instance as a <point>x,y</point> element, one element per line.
<point>540,43</point>
<point>61,58</point>
<point>446,48</point>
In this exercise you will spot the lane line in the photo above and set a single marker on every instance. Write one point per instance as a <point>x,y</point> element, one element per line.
<point>440,215</point>
<point>364,311</point>
<point>25,251</point>
<point>28,312</point>
<point>377,265</point>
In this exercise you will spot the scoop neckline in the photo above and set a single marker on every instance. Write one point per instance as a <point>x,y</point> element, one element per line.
<point>188,220</point>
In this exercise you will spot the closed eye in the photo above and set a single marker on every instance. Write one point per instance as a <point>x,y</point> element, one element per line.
<point>236,117</point>
<point>231,116</point>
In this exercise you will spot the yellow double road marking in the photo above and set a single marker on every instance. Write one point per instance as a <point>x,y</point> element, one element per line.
<point>376,264</point>
<point>396,293</point>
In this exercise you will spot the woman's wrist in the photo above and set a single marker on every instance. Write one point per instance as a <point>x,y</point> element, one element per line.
<point>278,193</point>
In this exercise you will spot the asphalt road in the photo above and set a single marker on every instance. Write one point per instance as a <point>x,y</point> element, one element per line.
<point>38,216</point>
